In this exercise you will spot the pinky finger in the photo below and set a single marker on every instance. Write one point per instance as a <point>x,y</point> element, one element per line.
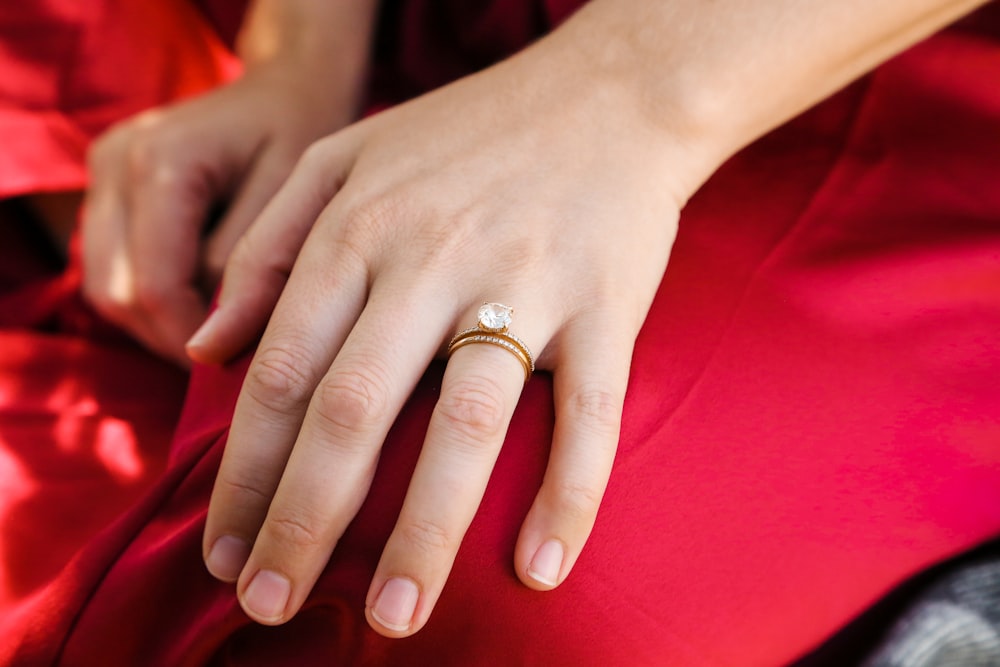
<point>590,381</point>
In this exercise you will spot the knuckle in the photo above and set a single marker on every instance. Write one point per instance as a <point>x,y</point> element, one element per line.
<point>314,157</point>
<point>114,137</point>
<point>516,252</point>
<point>103,150</point>
<point>149,154</point>
<point>372,221</point>
<point>599,294</point>
<point>245,489</point>
<point>444,240</point>
<point>577,502</point>
<point>251,259</point>
<point>522,254</point>
<point>141,159</point>
<point>474,407</point>
<point>242,259</point>
<point>150,295</point>
<point>427,537</point>
<point>283,153</point>
<point>277,379</point>
<point>295,531</point>
<point>596,407</point>
<point>354,400</point>
<point>320,159</point>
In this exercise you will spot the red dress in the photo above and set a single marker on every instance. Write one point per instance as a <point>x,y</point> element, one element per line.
<point>812,415</point>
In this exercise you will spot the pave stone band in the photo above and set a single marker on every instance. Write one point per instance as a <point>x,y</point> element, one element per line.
<point>494,318</point>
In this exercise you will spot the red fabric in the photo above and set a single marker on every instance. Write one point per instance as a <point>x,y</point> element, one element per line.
<point>812,418</point>
<point>70,69</point>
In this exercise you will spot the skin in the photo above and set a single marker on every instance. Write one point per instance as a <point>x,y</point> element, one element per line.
<point>152,253</point>
<point>551,182</point>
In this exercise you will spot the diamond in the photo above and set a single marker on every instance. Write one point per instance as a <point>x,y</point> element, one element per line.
<point>495,316</point>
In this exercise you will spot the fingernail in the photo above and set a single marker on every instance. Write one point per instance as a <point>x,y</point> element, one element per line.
<point>203,333</point>
<point>396,603</point>
<point>227,557</point>
<point>267,595</point>
<point>547,562</point>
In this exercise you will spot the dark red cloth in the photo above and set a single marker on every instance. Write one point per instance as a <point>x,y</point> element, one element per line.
<point>812,418</point>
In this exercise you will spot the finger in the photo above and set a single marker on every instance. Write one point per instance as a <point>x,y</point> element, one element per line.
<point>479,392</point>
<point>326,293</point>
<point>107,271</point>
<point>262,259</point>
<point>266,177</point>
<point>590,381</point>
<point>103,225</point>
<point>333,461</point>
<point>168,206</point>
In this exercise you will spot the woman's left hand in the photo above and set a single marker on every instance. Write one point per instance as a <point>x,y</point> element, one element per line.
<point>531,184</point>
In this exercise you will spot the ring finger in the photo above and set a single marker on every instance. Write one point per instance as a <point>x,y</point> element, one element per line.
<point>480,390</point>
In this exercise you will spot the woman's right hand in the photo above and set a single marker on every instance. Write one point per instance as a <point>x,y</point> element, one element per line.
<point>152,250</point>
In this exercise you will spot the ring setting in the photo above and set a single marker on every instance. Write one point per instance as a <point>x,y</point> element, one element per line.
<point>492,329</point>
<point>495,317</point>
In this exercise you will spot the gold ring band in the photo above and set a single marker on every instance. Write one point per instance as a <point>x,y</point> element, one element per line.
<point>494,319</point>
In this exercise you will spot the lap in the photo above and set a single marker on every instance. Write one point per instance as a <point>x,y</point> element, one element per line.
<point>806,426</point>
<point>802,432</point>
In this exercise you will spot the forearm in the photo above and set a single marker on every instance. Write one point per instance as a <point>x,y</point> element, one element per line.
<point>727,71</point>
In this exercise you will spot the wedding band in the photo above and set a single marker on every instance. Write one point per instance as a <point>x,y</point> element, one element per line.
<point>494,319</point>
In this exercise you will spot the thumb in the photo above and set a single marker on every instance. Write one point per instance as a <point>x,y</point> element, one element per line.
<point>266,177</point>
<point>262,259</point>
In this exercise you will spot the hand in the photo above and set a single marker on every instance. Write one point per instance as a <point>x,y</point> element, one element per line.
<point>151,253</point>
<point>527,184</point>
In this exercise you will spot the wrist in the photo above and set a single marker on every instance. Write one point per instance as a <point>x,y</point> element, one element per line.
<point>307,31</point>
<point>673,121</point>
<point>318,47</point>
<point>716,76</point>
